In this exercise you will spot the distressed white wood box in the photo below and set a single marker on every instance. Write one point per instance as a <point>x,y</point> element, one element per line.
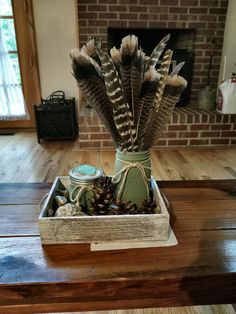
<point>90,229</point>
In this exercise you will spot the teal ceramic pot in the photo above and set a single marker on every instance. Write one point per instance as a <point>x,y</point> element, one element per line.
<point>132,174</point>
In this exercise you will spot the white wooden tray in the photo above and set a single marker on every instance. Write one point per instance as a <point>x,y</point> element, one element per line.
<point>94,229</point>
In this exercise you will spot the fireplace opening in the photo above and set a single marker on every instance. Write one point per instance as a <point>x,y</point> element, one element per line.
<point>181,42</point>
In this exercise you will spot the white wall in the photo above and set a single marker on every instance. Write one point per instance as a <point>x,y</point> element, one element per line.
<point>229,46</point>
<point>56,34</point>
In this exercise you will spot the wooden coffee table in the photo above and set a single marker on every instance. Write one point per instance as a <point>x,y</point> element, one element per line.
<point>201,269</point>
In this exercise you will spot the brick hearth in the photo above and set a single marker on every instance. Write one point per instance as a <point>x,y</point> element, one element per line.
<point>188,127</point>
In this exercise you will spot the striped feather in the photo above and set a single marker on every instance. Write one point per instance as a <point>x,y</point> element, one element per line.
<point>149,89</point>
<point>155,55</point>
<point>95,92</point>
<point>77,56</point>
<point>136,80</point>
<point>163,71</point>
<point>176,70</point>
<point>115,55</point>
<point>128,51</point>
<point>89,48</point>
<point>122,115</point>
<point>159,118</point>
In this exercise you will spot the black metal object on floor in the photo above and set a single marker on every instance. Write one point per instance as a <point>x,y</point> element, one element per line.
<point>55,118</point>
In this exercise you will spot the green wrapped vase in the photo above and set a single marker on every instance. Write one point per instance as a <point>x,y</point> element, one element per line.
<point>132,175</point>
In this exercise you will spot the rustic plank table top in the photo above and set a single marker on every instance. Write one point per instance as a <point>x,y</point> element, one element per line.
<point>201,269</point>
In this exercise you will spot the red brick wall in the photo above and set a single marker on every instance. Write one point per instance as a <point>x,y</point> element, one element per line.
<point>187,127</point>
<point>206,16</point>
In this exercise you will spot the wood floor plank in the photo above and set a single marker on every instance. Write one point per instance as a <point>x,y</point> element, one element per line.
<point>22,159</point>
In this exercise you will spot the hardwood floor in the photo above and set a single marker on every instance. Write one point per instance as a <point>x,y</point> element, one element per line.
<point>22,159</point>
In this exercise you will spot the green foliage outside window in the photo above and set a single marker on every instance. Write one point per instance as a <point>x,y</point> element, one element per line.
<point>8,31</point>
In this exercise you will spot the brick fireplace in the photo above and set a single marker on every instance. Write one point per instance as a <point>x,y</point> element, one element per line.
<point>207,19</point>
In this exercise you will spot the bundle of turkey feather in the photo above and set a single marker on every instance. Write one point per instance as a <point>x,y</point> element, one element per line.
<point>133,94</point>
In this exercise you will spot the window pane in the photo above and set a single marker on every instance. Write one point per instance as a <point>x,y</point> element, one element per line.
<point>5,7</point>
<point>8,30</point>
<point>15,63</point>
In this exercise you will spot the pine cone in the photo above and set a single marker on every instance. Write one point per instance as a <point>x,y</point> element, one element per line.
<point>124,207</point>
<point>149,206</point>
<point>103,196</point>
<point>106,184</point>
<point>101,201</point>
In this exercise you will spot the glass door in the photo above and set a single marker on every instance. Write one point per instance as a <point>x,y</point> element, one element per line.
<point>17,27</point>
<point>8,30</point>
